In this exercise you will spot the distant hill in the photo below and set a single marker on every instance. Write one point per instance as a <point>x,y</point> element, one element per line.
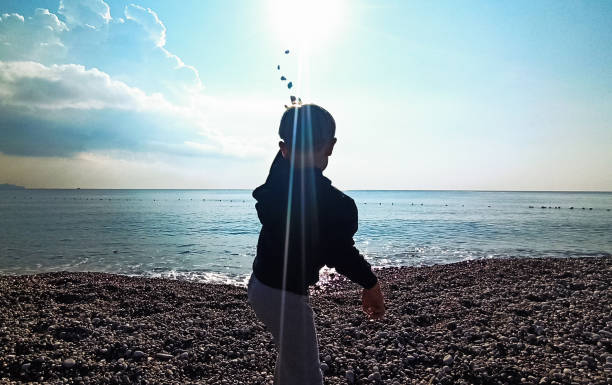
<point>7,186</point>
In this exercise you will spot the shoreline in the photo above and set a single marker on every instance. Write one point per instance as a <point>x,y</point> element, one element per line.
<point>534,320</point>
<point>241,280</point>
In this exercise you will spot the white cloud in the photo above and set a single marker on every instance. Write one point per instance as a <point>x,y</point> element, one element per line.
<point>61,110</point>
<point>36,37</point>
<point>48,20</point>
<point>149,20</point>
<point>86,109</point>
<point>12,16</point>
<point>88,82</point>
<point>131,48</point>
<point>34,85</point>
<point>90,13</point>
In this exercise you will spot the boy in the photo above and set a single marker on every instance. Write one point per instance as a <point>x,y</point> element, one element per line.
<point>306,224</point>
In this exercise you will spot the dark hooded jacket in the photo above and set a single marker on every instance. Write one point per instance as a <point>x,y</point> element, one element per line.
<point>322,222</point>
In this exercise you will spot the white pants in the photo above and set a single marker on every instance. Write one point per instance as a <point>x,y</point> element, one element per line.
<point>293,331</point>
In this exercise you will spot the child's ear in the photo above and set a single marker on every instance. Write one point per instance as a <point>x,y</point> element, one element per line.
<point>284,149</point>
<point>330,149</point>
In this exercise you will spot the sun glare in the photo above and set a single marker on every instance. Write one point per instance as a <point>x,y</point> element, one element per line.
<point>306,24</point>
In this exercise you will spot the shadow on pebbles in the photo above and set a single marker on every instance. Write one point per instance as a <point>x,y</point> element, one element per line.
<point>507,321</point>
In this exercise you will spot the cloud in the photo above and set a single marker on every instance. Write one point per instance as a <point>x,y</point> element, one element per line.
<point>62,110</point>
<point>36,132</point>
<point>131,49</point>
<point>82,81</point>
<point>36,37</point>
<point>89,14</point>
<point>70,86</point>
<point>184,78</point>
<point>149,21</point>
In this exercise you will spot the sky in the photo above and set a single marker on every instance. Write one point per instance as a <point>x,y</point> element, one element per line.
<point>475,95</point>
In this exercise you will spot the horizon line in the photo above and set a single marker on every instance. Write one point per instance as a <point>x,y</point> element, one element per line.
<point>249,189</point>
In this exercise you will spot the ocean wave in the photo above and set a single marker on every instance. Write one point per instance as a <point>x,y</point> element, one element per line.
<point>198,276</point>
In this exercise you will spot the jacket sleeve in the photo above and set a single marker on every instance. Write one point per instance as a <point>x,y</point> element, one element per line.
<point>339,246</point>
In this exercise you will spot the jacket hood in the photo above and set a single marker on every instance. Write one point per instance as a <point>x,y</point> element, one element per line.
<point>272,196</point>
<point>279,170</point>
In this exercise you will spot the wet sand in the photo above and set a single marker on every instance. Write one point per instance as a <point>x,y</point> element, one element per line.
<point>511,321</point>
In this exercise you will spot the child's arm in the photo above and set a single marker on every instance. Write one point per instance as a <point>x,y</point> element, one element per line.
<point>341,253</point>
<point>340,250</point>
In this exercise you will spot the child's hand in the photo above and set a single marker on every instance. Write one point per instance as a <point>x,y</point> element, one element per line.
<point>373,302</point>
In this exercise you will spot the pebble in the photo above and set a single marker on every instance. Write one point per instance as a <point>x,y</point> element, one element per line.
<point>448,360</point>
<point>324,367</point>
<point>68,363</point>
<point>138,354</point>
<point>531,338</point>
<point>164,356</point>
<point>350,376</point>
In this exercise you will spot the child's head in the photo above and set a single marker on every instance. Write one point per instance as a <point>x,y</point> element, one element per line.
<point>313,139</point>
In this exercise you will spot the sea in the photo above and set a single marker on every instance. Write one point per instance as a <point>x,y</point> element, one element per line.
<point>211,235</point>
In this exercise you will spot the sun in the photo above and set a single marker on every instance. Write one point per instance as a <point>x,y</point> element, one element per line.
<point>306,24</point>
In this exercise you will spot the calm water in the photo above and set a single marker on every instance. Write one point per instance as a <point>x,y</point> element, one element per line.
<point>212,234</point>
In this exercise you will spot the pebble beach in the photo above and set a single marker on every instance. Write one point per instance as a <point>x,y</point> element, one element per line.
<point>497,321</point>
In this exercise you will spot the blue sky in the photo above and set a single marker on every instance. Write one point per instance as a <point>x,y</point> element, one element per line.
<point>426,95</point>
